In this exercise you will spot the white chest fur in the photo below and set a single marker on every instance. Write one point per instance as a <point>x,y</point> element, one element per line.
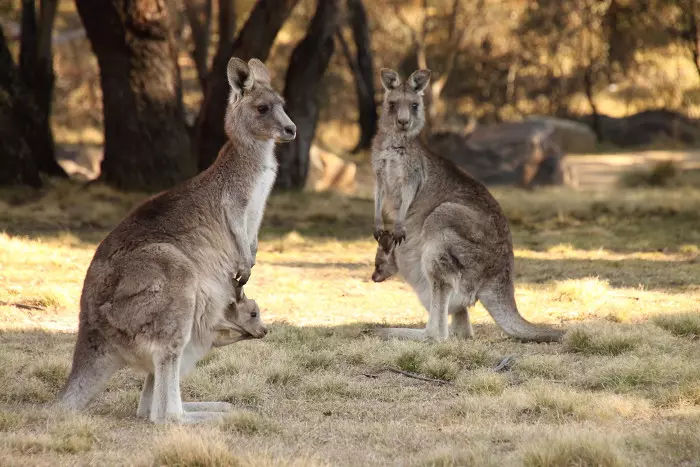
<point>261,191</point>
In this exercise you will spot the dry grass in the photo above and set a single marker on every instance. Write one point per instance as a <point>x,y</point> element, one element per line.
<point>619,270</point>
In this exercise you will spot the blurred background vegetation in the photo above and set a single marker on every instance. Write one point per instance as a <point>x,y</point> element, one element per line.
<point>136,90</point>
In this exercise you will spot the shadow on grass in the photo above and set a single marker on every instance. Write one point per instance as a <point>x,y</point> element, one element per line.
<point>625,221</point>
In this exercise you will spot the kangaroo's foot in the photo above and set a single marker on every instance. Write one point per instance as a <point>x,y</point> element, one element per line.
<point>207,406</point>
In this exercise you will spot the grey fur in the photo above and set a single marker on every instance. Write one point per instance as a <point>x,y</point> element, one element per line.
<point>451,241</point>
<point>158,287</point>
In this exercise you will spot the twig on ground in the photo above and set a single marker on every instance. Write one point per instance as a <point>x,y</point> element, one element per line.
<point>505,364</point>
<point>419,377</point>
<point>23,306</point>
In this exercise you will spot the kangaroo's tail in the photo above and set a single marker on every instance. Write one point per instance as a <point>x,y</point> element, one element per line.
<point>498,297</point>
<point>92,367</point>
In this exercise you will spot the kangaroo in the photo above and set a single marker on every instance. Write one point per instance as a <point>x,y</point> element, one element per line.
<point>451,240</point>
<point>240,321</point>
<point>161,279</point>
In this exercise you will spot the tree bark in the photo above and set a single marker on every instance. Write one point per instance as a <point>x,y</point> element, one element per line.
<point>364,75</point>
<point>146,143</point>
<point>254,41</point>
<point>199,16</point>
<point>307,66</point>
<point>36,73</point>
<point>18,125</point>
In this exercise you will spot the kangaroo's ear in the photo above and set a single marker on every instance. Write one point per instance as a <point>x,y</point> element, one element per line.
<point>259,71</point>
<point>238,294</point>
<point>386,243</point>
<point>419,80</point>
<point>239,75</point>
<point>390,79</point>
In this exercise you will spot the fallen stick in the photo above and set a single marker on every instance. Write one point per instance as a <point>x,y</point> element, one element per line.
<point>419,377</point>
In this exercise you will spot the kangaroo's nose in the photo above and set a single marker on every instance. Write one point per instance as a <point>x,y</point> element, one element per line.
<point>264,332</point>
<point>290,130</point>
<point>403,123</point>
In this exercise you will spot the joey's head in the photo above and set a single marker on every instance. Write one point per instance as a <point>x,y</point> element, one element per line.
<point>254,108</point>
<point>243,316</point>
<point>403,111</point>
<point>385,259</point>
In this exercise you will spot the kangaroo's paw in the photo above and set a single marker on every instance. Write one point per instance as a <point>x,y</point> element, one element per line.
<point>402,333</point>
<point>207,406</point>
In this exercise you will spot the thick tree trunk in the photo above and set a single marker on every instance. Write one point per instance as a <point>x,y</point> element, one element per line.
<point>364,79</point>
<point>18,125</point>
<point>146,143</point>
<point>254,41</point>
<point>306,69</point>
<point>36,72</point>
<point>199,16</point>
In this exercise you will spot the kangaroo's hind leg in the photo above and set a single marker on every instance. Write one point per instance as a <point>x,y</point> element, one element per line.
<point>461,327</point>
<point>146,400</point>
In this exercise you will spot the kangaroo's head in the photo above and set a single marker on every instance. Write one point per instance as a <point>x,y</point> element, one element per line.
<point>243,316</point>
<point>403,109</point>
<point>385,259</point>
<point>255,109</point>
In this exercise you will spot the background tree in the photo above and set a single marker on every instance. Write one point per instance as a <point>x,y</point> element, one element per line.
<point>146,143</point>
<point>307,66</point>
<point>18,125</point>
<point>254,41</point>
<point>362,68</point>
<point>199,13</point>
<point>36,72</point>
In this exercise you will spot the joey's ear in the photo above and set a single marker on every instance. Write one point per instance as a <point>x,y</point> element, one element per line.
<point>239,75</point>
<point>419,80</point>
<point>238,293</point>
<point>259,71</point>
<point>390,79</point>
<point>386,242</point>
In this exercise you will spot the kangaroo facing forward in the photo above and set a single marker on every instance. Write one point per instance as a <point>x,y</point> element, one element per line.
<point>450,241</point>
<point>160,283</point>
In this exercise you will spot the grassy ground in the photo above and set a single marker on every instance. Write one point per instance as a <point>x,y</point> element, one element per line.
<point>619,270</point>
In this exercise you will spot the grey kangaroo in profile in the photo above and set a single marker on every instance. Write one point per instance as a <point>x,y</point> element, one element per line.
<point>450,241</point>
<point>161,281</point>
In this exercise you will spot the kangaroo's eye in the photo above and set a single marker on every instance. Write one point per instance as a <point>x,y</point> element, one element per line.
<point>263,109</point>
<point>415,106</point>
<point>253,314</point>
<point>392,105</point>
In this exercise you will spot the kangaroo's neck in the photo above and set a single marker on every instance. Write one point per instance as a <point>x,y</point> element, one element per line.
<point>240,161</point>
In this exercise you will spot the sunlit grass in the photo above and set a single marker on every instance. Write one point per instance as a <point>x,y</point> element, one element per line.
<point>617,271</point>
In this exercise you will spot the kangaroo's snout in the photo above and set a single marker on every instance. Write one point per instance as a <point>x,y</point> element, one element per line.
<point>376,277</point>
<point>290,131</point>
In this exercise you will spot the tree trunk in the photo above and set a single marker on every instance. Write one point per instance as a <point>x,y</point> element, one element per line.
<point>227,24</point>
<point>364,77</point>
<point>199,16</point>
<point>588,81</point>
<point>18,125</point>
<point>307,66</point>
<point>146,143</point>
<point>36,73</point>
<point>254,41</point>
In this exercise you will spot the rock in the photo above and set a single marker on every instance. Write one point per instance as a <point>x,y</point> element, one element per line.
<point>522,154</point>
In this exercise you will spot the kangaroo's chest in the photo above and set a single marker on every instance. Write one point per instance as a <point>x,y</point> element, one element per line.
<point>395,173</point>
<point>262,186</point>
